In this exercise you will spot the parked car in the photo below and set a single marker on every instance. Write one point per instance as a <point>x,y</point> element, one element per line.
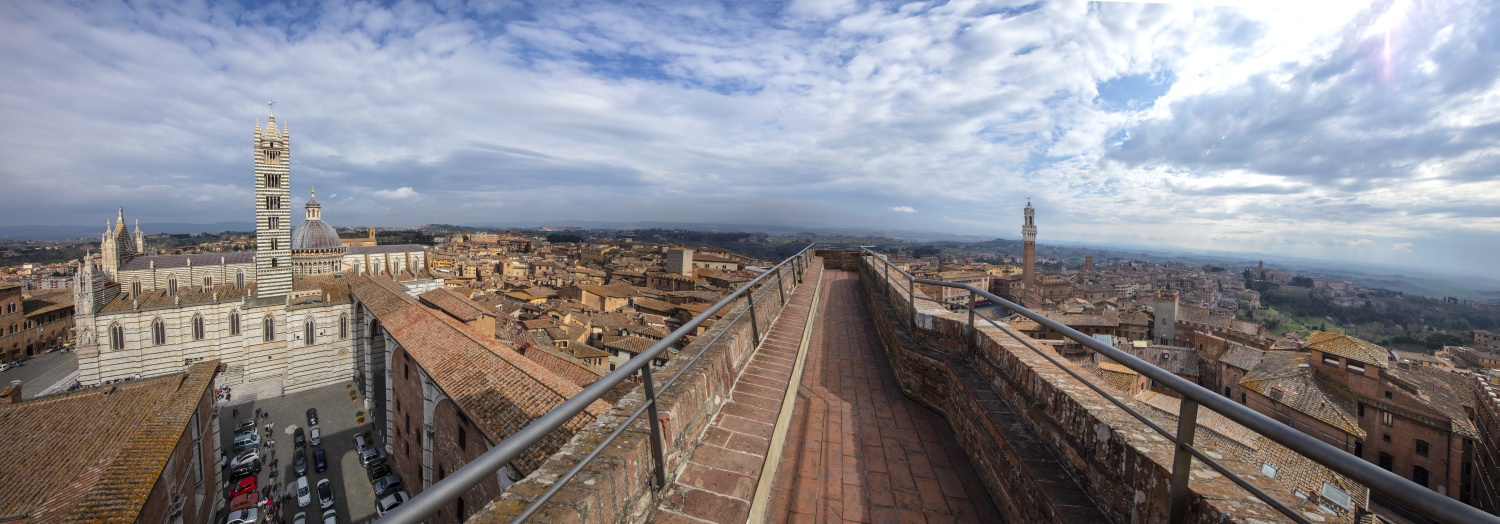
<point>312,417</point>
<point>330,517</point>
<point>304,493</point>
<point>386,485</point>
<point>320,460</point>
<point>371,456</point>
<point>390,502</point>
<point>244,501</point>
<point>299,464</point>
<point>245,485</point>
<point>325,494</point>
<point>379,470</point>
<point>299,439</point>
<point>244,426</point>
<point>244,458</point>
<point>244,516</point>
<point>247,441</point>
<point>359,443</point>
<point>315,436</point>
<point>4,366</point>
<point>248,470</point>
<point>301,518</point>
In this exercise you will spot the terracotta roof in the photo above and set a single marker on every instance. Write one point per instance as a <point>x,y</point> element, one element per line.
<point>1181,361</point>
<point>1282,376</point>
<point>1243,357</point>
<point>198,259</point>
<point>454,304</point>
<point>655,305</point>
<point>95,455</point>
<point>634,345</point>
<point>613,291</point>
<point>1349,347</point>
<point>47,302</point>
<point>499,389</point>
<point>566,366</point>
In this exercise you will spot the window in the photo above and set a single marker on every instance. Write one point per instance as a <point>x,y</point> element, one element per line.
<point>116,337</point>
<point>1421,447</point>
<point>269,329</point>
<point>1337,496</point>
<point>1356,367</point>
<point>1226,392</point>
<point>1419,475</point>
<point>234,322</point>
<point>273,223</point>
<point>172,285</point>
<point>1386,437</point>
<point>463,439</point>
<point>273,261</point>
<point>1385,460</point>
<point>1385,418</point>
<point>1330,360</point>
<point>343,326</point>
<point>408,423</point>
<point>208,281</point>
<point>239,280</point>
<point>135,289</point>
<point>197,327</point>
<point>309,334</point>
<point>1387,394</point>
<point>1268,469</point>
<point>461,513</point>
<point>1359,449</point>
<point>406,446</point>
<point>158,332</point>
<point>1361,410</point>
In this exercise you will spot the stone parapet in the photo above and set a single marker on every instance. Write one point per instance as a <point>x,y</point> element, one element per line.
<point>1048,448</point>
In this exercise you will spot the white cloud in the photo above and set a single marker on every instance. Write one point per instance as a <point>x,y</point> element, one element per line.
<point>903,209</point>
<point>401,193</point>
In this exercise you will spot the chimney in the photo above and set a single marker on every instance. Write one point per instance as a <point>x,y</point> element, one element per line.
<point>12,394</point>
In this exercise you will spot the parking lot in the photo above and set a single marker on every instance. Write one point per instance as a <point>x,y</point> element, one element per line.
<point>354,500</point>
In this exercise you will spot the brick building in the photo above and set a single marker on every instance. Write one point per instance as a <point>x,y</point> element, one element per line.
<point>140,450</point>
<point>451,392</point>
<point>32,323</point>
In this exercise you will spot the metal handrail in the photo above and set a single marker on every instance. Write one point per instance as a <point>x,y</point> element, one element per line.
<point>1386,483</point>
<point>485,465</point>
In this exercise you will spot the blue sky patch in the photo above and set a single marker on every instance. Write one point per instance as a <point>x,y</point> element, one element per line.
<point>1134,92</point>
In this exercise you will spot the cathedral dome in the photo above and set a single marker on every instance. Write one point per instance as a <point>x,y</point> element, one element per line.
<point>315,234</point>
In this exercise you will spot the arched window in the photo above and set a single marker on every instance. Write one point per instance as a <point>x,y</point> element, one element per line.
<point>158,332</point>
<point>234,322</point>
<point>309,333</point>
<point>239,279</point>
<point>116,336</point>
<point>208,281</point>
<point>172,284</point>
<point>197,327</point>
<point>135,289</point>
<point>343,326</point>
<point>269,329</point>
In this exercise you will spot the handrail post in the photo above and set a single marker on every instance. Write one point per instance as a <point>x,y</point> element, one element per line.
<point>779,289</point>
<point>660,475</point>
<point>754,326</point>
<point>1182,464</point>
<point>911,297</point>
<point>972,331</point>
<point>887,287</point>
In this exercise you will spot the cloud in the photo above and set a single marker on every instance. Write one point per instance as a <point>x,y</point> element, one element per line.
<point>403,193</point>
<point>1403,247</point>
<point>1119,120</point>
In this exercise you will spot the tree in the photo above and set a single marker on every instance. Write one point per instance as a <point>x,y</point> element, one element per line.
<point>1301,281</point>
<point>925,251</point>
<point>559,238</point>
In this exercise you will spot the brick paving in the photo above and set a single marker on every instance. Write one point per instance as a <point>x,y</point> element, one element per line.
<point>858,450</point>
<point>720,478</point>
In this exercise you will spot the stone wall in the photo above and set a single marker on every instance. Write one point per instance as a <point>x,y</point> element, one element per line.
<point>616,486</point>
<point>1077,453</point>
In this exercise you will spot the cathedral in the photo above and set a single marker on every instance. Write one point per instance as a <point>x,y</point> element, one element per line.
<point>282,312</point>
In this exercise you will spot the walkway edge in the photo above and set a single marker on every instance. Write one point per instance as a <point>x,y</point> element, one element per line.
<point>761,502</point>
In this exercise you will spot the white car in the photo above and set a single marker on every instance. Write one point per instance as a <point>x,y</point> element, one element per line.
<point>301,518</point>
<point>330,517</point>
<point>304,493</point>
<point>390,502</point>
<point>325,494</point>
<point>244,516</point>
<point>244,459</point>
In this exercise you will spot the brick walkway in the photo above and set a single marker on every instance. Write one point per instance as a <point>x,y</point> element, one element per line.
<point>719,480</point>
<point>858,450</point>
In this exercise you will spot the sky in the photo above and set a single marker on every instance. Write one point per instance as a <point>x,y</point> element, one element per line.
<point>1340,130</point>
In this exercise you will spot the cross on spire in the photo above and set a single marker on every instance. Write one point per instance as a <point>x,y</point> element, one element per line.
<point>272,104</point>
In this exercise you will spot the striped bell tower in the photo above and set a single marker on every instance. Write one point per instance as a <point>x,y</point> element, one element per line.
<point>273,216</point>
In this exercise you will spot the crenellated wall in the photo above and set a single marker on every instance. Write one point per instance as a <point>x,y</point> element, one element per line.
<point>1048,448</point>
<point>615,487</point>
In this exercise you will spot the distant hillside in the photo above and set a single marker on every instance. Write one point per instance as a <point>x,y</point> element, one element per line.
<point>47,232</point>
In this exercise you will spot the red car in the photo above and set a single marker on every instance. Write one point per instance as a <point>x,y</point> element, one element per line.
<point>245,485</point>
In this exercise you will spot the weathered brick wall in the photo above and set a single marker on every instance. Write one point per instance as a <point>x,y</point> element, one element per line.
<point>839,259</point>
<point>1122,465</point>
<point>406,420</point>
<point>615,487</point>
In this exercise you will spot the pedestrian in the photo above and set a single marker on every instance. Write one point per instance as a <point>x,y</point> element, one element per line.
<point>236,412</point>
<point>226,397</point>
